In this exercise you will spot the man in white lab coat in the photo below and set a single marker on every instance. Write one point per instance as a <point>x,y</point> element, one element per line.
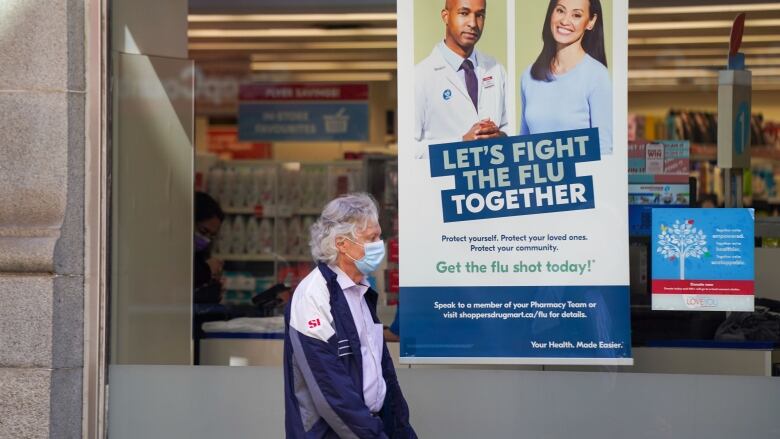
<point>460,92</point>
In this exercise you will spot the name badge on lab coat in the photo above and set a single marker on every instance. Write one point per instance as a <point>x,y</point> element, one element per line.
<point>488,82</point>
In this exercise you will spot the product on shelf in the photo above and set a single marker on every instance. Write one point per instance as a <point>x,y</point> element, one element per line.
<point>283,194</point>
<point>306,182</point>
<point>294,236</point>
<point>293,188</point>
<point>270,207</point>
<point>239,236</point>
<point>252,236</point>
<point>695,126</point>
<point>229,188</point>
<point>772,134</point>
<point>709,178</point>
<point>266,236</point>
<point>241,286</point>
<point>308,221</point>
<point>659,194</point>
<point>765,181</point>
<point>281,237</point>
<point>245,194</point>
<point>322,188</point>
<point>225,238</point>
<point>264,188</point>
<point>660,161</point>
<point>214,183</point>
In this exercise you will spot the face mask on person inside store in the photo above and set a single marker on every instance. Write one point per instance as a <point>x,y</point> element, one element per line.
<point>202,243</point>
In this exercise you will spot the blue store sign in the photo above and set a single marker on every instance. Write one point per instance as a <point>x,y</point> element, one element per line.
<point>314,121</point>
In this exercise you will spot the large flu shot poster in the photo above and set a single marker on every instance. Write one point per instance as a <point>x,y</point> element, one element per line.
<point>513,182</point>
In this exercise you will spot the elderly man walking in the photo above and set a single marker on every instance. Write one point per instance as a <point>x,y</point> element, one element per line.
<point>339,379</point>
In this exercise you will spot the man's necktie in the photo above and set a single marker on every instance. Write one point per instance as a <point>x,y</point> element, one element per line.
<point>471,80</point>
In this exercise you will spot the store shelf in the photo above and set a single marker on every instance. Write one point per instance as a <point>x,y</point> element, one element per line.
<point>239,210</point>
<point>263,258</point>
<point>710,152</point>
<point>767,227</point>
<point>295,258</point>
<point>283,212</point>
<point>298,189</point>
<point>246,257</point>
<point>308,211</point>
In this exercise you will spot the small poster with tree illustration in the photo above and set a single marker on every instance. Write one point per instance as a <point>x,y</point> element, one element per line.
<point>702,259</point>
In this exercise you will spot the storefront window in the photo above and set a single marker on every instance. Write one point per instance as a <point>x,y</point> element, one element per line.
<point>233,125</point>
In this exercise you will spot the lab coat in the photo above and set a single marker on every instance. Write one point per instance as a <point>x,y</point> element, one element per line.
<point>444,111</point>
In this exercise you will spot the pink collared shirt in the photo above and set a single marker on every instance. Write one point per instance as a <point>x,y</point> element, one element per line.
<point>371,340</point>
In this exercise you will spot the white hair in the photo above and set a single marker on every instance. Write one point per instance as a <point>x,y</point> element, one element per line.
<point>343,216</point>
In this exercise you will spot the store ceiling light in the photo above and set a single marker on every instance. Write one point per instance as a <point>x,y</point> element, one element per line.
<point>636,41</point>
<point>705,9</point>
<point>292,33</point>
<point>287,46</point>
<point>704,24</point>
<point>714,62</point>
<point>653,85</point>
<point>324,77</point>
<point>292,18</point>
<point>654,81</point>
<point>769,71</point>
<point>671,73</point>
<point>385,55</point>
<point>323,65</point>
<point>685,52</point>
<point>692,73</point>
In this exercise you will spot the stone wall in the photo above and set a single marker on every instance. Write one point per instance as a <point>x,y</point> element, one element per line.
<point>42,138</point>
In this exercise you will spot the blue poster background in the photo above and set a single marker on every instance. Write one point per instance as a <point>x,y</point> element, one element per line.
<point>425,332</point>
<point>549,169</point>
<point>706,220</point>
<point>309,121</point>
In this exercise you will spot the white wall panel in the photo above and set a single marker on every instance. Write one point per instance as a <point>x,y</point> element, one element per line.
<point>152,211</point>
<point>247,402</point>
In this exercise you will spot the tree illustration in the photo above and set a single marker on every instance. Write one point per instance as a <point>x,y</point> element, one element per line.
<point>682,241</point>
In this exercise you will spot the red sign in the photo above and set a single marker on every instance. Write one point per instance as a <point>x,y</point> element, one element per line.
<point>199,181</point>
<point>719,287</point>
<point>393,251</point>
<point>224,141</point>
<point>737,29</point>
<point>303,92</point>
<point>393,281</point>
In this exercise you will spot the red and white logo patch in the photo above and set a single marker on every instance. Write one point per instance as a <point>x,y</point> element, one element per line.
<point>313,323</point>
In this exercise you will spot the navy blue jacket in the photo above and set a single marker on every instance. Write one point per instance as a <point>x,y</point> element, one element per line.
<point>323,368</point>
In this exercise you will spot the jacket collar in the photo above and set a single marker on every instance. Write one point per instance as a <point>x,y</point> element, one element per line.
<point>333,279</point>
<point>344,281</point>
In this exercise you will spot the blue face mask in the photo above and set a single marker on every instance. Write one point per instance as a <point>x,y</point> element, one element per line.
<point>373,257</point>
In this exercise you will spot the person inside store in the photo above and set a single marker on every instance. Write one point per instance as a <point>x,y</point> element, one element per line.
<point>568,86</point>
<point>393,332</point>
<point>460,92</point>
<point>206,269</point>
<point>339,379</point>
